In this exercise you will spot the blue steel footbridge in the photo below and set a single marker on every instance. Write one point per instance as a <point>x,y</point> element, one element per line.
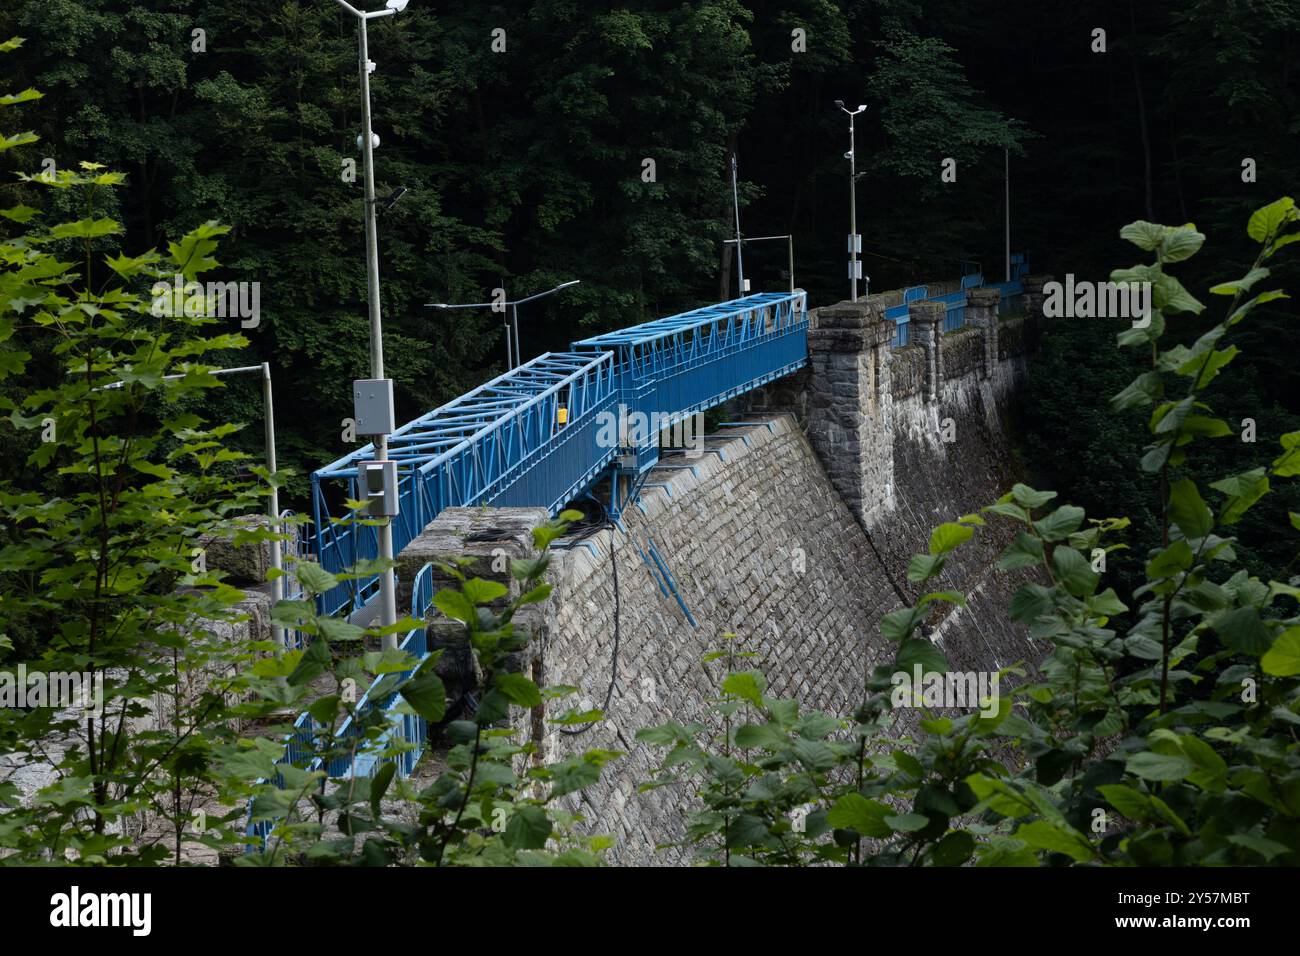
<point>540,435</point>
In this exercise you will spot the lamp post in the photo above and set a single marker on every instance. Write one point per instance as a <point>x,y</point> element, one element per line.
<point>513,359</point>
<point>387,578</point>
<point>855,241</point>
<point>1006,154</point>
<point>273,504</point>
<point>735,201</point>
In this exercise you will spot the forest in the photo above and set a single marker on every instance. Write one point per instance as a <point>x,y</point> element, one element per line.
<point>527,144</point>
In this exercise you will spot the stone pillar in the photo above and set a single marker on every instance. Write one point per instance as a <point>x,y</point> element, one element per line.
<point>982,314</point>
<point>483,541</point>
<point>1033,286</point>
<point>850,421</point>
<point>926,319</point>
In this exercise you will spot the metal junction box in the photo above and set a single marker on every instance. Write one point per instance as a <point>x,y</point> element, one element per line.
<point>372,402</point>
<point>381,487</point>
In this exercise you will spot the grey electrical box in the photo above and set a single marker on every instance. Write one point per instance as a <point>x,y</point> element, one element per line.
<point>372,403</point>
<point>381,487</point>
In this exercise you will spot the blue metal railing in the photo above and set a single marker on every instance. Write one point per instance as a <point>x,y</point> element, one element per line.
<point>955,302</point>
<point>504,443</point>
<point>408,731</point>
<point>539,434</point>
<point>674,367</point>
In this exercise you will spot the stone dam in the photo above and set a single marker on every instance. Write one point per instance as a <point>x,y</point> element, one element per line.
<point>792,529</point>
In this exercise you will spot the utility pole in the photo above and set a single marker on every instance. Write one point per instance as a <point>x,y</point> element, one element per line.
<point>735,201</point>
<point>855,240</point>
<point>378,391</point>
<point>1006,154</point>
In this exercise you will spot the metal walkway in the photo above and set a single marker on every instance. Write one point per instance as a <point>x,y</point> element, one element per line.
<point>547,431</point>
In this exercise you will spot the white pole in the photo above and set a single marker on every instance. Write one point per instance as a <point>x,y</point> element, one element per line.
<point>735,199</point>
<point>1007,180</point>
<point>514,321</point>
<point>273,507</point>
<point>387,577</point>
<point>853,208</point>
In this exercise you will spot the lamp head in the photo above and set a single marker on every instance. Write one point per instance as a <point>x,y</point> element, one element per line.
<point>840,104</point>
<point>397,6</point>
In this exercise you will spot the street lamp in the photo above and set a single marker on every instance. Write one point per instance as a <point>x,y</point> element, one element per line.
<point>513,359</point>
<point>387,578</point>
<point>1006,158</point>
<point>273,505</point>
<point>855,240</point>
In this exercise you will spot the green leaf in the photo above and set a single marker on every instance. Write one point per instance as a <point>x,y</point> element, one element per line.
<point>1029,498</point>
<point>953,850</point>
<point>479,592</point>
<point>919,651</point>
<point>948,536</point>
<point>1074,572</point>
<point>747,685</point>
<point>1265,222</point>
<point>1243,631</point>
<point>1061,523</point>
<point>1169,296</point>
<point>379,785</point>
<point>852,811</point>
<point>313,577</point>
<point>26,96</point>
<point>85,229</point>
<point>1154,766</point>
<point>528,828</point>
<point>1172,560</point>
<point>923,567</point>
<point>1180,242</point>
<point>519,689</point>
<point>19,213</point>
<point>455,606</point>
<point>1243,491</point>
<point>426,695</point>
<point>1131,803</point>
<point>1283,658</point>
<point>1055,838</point>
<point>1259,844</point>
<point>907,822</point>
<point>899,625</point>
<point>1188,510</point>
<point>1145,235</point>
<point>1211,772</point>
<point>1241,285</point>
<point>315,660</point>
<point>764,736</point>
